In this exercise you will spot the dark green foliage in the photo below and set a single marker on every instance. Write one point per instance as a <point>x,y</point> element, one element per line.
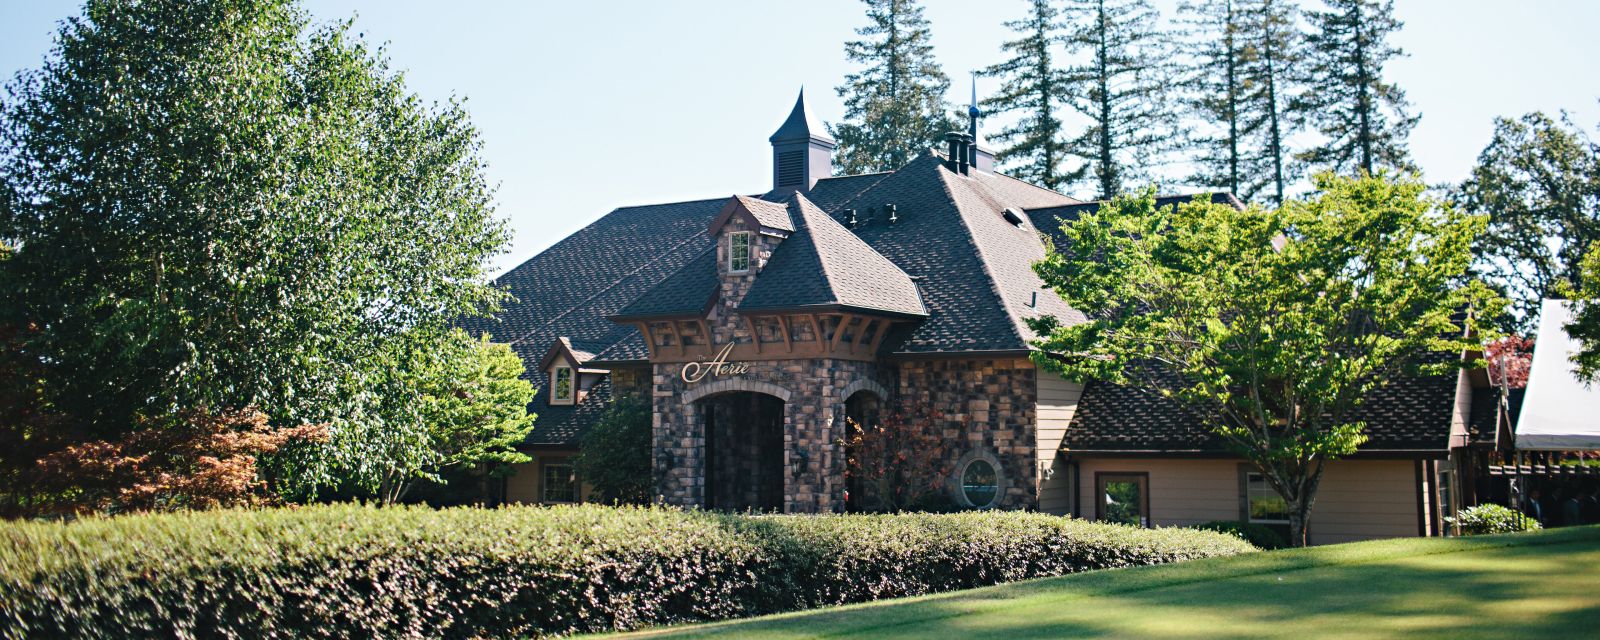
<point>1120,81</point>
<point>895,107</point>
<point>1363,119</point>
<point>218,205</point>
<point>614,457</point>
<point>1033,87</point>
<point>1485,519</point>
<point>1538,180</point>
<point>1259,535</point>
<point>1239,89</point>
<point>353,571</point>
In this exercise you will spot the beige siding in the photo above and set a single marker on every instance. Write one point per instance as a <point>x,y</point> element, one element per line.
<point>1358,499</point>
<point>1058,399</point>
<point>523,485</point>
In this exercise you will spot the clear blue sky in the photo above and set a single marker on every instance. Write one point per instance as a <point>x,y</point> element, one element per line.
<point>587,106</point>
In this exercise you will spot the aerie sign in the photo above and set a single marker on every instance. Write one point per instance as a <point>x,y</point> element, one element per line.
<point>719,366</point>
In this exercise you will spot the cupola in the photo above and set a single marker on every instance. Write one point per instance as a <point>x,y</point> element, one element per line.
<point>802,151</point>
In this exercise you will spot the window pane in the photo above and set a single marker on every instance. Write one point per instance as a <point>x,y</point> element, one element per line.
<point>1124,501</point>
<point>739,252</point>
<point>979,483</point>
<point>564,383</point>
<point>1265,504</point>
<point>558,483</point>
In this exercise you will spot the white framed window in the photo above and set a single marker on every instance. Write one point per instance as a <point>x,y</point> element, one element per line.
<point>561,385</point>
<point>739,251</point>
<point>558,484</point>
<point>1263,505</point>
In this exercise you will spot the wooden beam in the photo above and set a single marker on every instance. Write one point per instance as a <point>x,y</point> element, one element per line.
<point>705,330</point>
<point>783,325</point>
<point>673,326</point>
<point>877,336</point>
<point>649,339</point>
<point>755,332</point>
<point>862,335</point>
<point>838,331</point>
<point>816,329</point>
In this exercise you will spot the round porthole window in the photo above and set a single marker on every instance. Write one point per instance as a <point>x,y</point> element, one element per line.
<point>980,483</point>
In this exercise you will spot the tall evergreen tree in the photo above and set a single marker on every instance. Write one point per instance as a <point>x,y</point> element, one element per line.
<point>1243,49</point>
<point>896,105</point>
<point>1364,119</point>
<point>1121,84</point>
<point>1035,147</point>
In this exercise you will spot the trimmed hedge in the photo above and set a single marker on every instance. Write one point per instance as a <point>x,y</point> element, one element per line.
<point>1486,519</point>
<point>1254,533</point>
<point>359,571</point>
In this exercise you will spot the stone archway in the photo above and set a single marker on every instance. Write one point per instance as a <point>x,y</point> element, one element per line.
<point>744,449</point>
<point>728,386</point>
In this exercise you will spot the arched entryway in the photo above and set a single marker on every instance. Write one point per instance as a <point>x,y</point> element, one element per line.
<point>863,406</point>
<point>744,451</point>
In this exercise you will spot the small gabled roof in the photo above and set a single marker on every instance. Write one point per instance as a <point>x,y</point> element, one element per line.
<point>824,265</point>
<point>562,348</point>
<point>764,215</point>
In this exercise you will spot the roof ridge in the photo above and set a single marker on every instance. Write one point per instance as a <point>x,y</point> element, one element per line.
<point>1037,187</point>
<point>984,258</point>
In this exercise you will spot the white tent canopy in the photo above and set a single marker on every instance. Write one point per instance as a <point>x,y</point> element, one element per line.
<point>1559,411</point>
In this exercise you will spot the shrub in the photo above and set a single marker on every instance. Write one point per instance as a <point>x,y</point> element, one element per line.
<point>345,570</point>
<point>1491,518</point>
<point>614,456</point>
<point>1256,534</point>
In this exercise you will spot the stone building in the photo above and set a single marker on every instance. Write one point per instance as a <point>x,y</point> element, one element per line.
<point>760,328</point>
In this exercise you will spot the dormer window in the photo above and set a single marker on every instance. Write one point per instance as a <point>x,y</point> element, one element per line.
<point>739,252</point>
<point>562,385</point>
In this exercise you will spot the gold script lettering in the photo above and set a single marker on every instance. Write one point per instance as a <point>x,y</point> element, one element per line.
<point>719,366</point>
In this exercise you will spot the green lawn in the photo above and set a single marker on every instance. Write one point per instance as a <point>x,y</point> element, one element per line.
<point>1536,585</point>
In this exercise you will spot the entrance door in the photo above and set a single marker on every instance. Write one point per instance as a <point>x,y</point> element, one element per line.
<point>744,451</point>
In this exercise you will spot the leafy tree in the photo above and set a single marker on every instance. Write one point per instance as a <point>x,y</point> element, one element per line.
<point>1121,84</point>
<point>446,403</point>
<point>1364,119</point>
<point>1244,49</point>
<point>1585,325</point>
<point>1538,180</point>
<point>895,107</point>
<point>614,456</point>
<point>189,460</point>
<point>1032,86</point>
<point>1270,325</point>
<point>216,206</point>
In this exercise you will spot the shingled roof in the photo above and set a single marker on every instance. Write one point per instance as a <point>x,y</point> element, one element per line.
<point>1049,218</point>
<point>823,265</point>
<point>1407,415</point>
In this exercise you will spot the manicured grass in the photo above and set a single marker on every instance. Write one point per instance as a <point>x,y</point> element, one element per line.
<point>1529,585</point>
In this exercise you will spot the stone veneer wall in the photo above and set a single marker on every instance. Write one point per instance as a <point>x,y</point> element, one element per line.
<point>984,406</point>
<point>813,422</point>
<point>631,382</point>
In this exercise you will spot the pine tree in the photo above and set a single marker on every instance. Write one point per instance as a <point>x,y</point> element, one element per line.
<point>896,105</point>
<point>1364,119</point>
<point>1243,50</point>
<point>1033,87</point>
<point>1121,85</point>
